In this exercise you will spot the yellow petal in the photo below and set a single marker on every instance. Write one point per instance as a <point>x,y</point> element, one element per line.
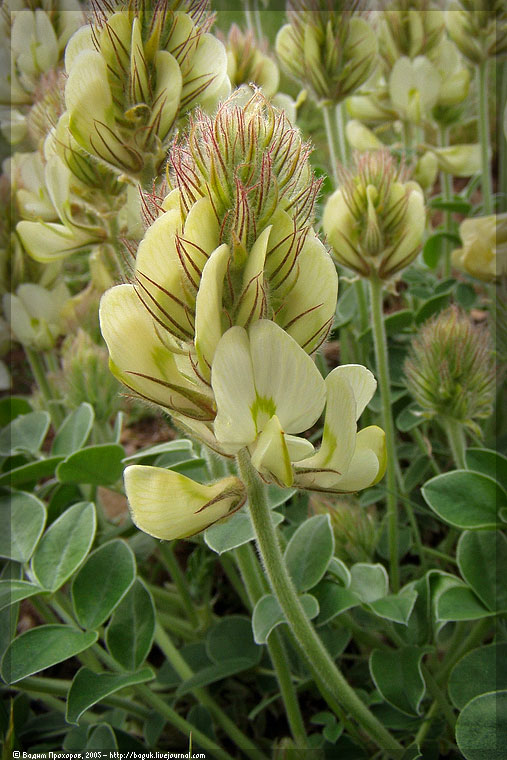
<point>141,360</point>
<point>208,308</point>
<point>252,300</point>
<point>233,385</point>
<point>308,309</point>
<point>270,455</point>
<point>168,505</point>
<point>159,276</point>
<point>285,377</point>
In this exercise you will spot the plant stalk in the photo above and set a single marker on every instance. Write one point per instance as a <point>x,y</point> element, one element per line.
<point>380,340</point>
<point>329,678</point>
<point>487,182</point>
<point>40,376</point>
<point>456,439</point>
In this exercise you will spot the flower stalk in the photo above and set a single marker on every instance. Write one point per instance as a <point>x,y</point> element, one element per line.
<point>380,340</point>
<point>323,666</point>
<point>487,184</point>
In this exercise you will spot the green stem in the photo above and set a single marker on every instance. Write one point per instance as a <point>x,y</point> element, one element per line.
<point>330,679</point>
<point>380,340</point>
<point>439,555</point>
<point>419,439</point>
<point>335,154</point>
<point>439,697</point>
<point>487,183</point>
<point>234,578</point>
<point>181,724</point>
<point>447,192</point>
<point>169,559</point>
<point>60,687</point>
<point>502,139</point>
<point>253,580</point>
<point>342,134</point>
<point>185,672</point>
<point>456,439</point>
<point>258,21</point>
<point>40,376</point>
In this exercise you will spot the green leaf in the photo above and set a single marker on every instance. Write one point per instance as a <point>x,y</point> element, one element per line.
<point>100,465</point>
<point>346,308</point>
<point>31,472</point>
<point>460,603</point>
<point>26,516</point>
<point>466,295</point>
<point>395,607</point>
<point>465,499</point>
<point>233,532</point>
<point>457,205</point>
<point>64,546</point>
<point>12,407</point>
<point>102,582</point>
<point>482,560</point>
<point>481,727</point>
<point>40,648</point>
<point>332,600</point>
<point>212,673</point>
<point>12,591</point>
<point>268,614</point>
<point>129,635</point>
<point>397,676</point>
<point>102,738</point>
<point>369,582</point>
<point>309,551</point>
<point>74,431</point>
<point>24,433</point>
<point>277,496</point>
<point>482,670</point>
<point>393,324</point>
<point>230,638</point>
<point>432,306</point>
<point>489,462</point>
<point>88,688</point>
<point>182,444</point>
<point>409,418</point>
<point>434,247</point>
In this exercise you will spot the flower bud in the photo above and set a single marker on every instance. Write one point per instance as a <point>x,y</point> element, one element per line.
<point>409,28</point>
<point>247,63</point>
<point>484,252</point>
<point>450,370</point>
<point>329,50</point>
<point>478,27</point>
<point>361,138</point>
<point>426,170</point>
<point>133,73</point>
<point>375,221</point>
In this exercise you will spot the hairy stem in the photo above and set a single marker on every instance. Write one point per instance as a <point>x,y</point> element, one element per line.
<point>330,680</point>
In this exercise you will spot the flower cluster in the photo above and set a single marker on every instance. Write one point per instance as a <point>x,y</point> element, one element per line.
<point>232,292</point>
<point>450,370</point>
<point>134,72</point>
<point>375,220</point>
<point>327,47</point>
